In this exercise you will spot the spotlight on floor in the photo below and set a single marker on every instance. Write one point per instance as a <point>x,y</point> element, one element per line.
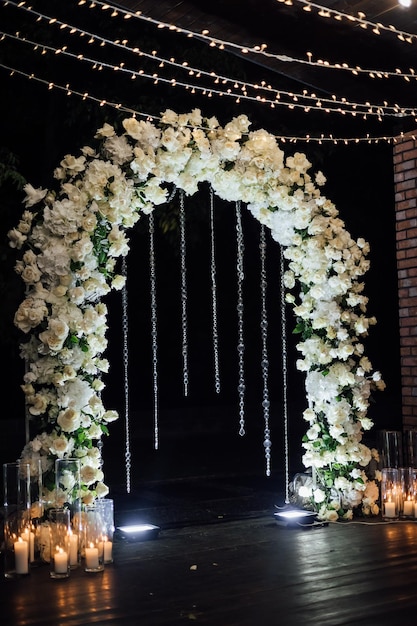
<point>138,532</point>
<point>295,517</point>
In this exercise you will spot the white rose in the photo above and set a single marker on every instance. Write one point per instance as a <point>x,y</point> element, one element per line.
<point>118,282</point>
<point>69,420</point>
<point>59,446</point>
<point>110,416</point>
<point>319,495</point>
<point>94,431</point>
<point>105,131</point>
<point>33,196</point>
<point>331,515</point>
<point>101,490</point>
<point>88,474</point>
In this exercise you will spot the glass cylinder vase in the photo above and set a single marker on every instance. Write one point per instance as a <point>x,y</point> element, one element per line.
<point>68,495</point>
<point>59,528</point>
<point>94,546</point>
<point>407,494</point>
<point>410,448</point>
<point>391,445</point>
<point>390,493</point>
<point>16,506</point>
<point>106,506</point>
<point>37,511</point>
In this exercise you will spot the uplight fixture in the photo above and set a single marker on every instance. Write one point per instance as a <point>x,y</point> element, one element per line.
<point>295,517</point>
<point>405,3</point>
<point>138,532</point>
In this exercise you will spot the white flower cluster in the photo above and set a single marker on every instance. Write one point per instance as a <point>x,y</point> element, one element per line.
<point>71,243</point>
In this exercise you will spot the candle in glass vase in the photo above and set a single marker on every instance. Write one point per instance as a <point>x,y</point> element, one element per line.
<point>60,561</point>
<point>73,548</point>
<point>21,556</point>
<point>389,509</point>
<point>29,536</point>
<point>108,550</point>
<point>91,557</point>
<point>408,508</point>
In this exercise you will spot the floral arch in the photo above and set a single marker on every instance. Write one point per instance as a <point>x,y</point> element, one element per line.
<point>70,242</point>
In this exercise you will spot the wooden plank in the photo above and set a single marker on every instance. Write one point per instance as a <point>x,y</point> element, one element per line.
<point>240,573</point>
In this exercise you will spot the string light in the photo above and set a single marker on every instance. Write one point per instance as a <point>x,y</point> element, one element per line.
<point>262,48</point>
<point>326,104</point>
<point>257,49</point>
<point>151,117</point>
<point>376,110</point>
<point>374,27</point>
<point>396,110</point>
<point>360,19</point>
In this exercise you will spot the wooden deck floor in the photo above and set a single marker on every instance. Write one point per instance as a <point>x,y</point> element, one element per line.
<point>250,572</point>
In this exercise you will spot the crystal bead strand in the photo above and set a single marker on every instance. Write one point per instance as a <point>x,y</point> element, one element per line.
<point>284,374</point>
<point>183,294</point>
<point>154,333</point>
<point>264,361</point>
<point>214,296</point>
<point>240,344</point>
<point>27,414</point>
<point>125,324</point>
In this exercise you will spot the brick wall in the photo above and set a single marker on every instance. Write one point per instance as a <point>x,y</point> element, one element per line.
<point>405,179</point>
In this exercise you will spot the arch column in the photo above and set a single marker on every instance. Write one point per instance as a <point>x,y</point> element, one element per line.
<point>405,186</point>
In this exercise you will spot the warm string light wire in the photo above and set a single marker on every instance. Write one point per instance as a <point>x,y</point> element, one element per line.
<point>152,117</point>
<point>261,49</point>
<point>324,64</point>
<point>375,27</point>
<point>311,102</point>
<point>372,73</point>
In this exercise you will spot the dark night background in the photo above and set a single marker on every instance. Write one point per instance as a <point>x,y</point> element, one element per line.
<point>198,434</point>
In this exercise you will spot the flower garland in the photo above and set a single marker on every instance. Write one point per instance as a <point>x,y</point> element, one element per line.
<point>71,243</point>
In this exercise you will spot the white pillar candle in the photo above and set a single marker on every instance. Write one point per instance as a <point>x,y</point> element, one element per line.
<point>73,549</point>
<point>60,561</point>
<point>108,550</point>
<point>91,557</point>
<point>408,507</point>
<point>389,509</point>
<point>29,536</point>
<point>21,556</point>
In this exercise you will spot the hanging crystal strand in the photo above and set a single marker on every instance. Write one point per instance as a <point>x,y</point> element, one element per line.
<point>154,333</point>
<point>240,343</point>
<point>214,297</point>
<point>128,456</point>
<point>284,375</point>
<point>183,295</point>
<point>264,362</point>
<point>27,414</point>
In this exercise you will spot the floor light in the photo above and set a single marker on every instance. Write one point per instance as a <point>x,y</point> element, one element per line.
<point>138,532</point>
